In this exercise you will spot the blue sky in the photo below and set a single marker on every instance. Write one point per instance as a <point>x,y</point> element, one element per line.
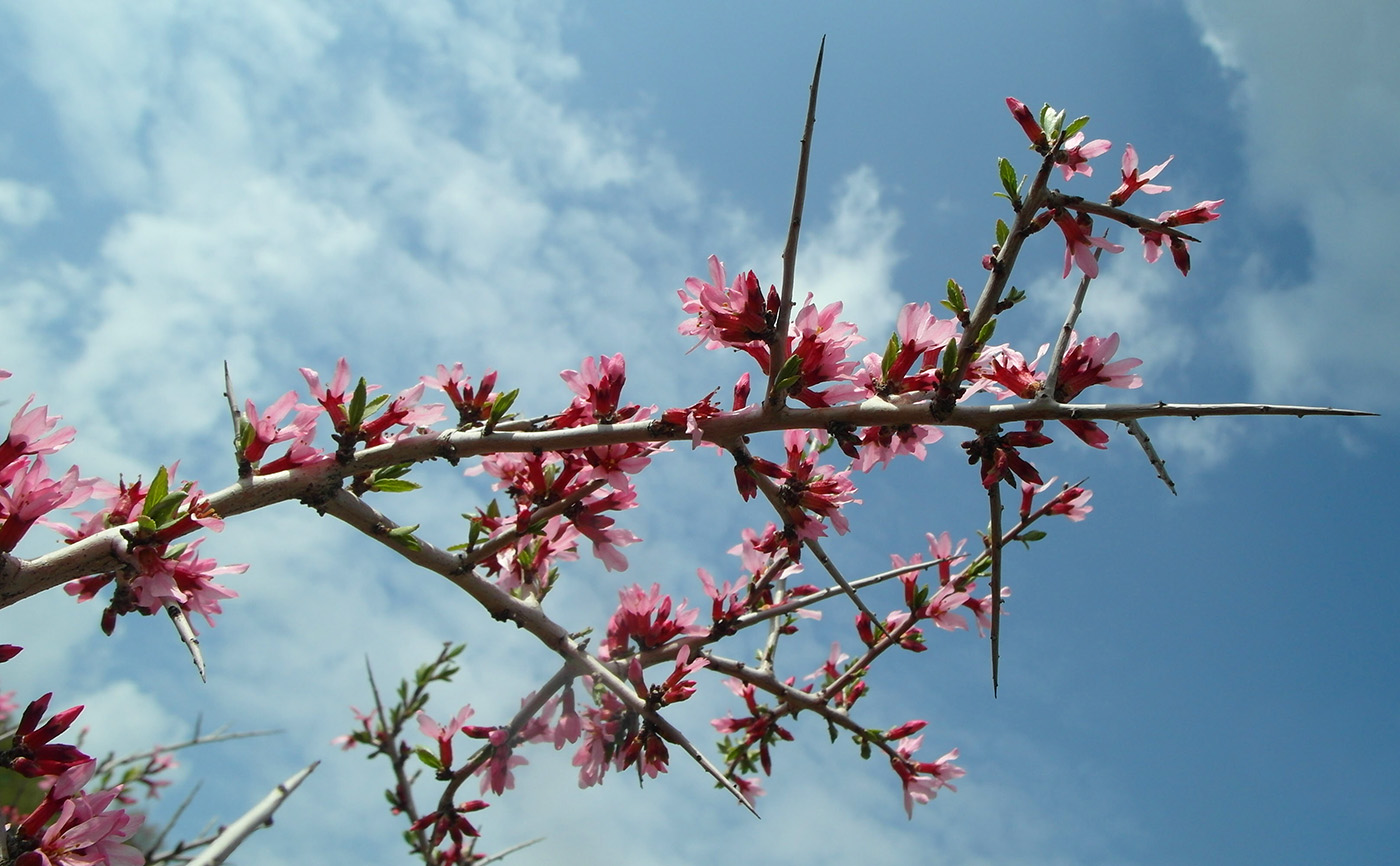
<point>1205,678</point>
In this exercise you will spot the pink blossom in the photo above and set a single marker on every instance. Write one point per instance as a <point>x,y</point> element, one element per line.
<point>29,435</point>
<point>1028,123</point>
<point>33,494</point>
<point>1074,157</point>
<point>830,669</point>
<point>1072,503</point>
<point>498,773</point>
<point>808,487</point>
<point>1086,364</point>
<point>472,405</point>
<point>570,725</point>
<point>1079,242</point>
<point>87,834</point>
<point>727,604</point>
<point>597,386</point>
<point>601,529</point>
<point>32,747</point>
<point>263,431</point>
<point>820,342</point>
<point>1201,212</point>
<point>982,609</point>
<point>922,781</point>
<point>443,733</point>
<point>748,787</point>
<point>332,397</point>
<point>403,411</point>
<point>646,616</point>
<point>739,316</point>
<point>941,608</point>
<point>1133,181</point>
<point>880,445</point>
<point>186,580</point>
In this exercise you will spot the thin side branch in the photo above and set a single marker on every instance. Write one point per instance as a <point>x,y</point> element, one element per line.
<point>777,349</point>
<point>256,817</point>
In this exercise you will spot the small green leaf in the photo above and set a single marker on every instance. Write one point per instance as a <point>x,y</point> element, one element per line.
<point>428,758</point>
<point>1003,232</point>
<point>1008,177</point>
<point>950,360</point>
<point>404,535</point>
<point>501,405</point>
<point>891,352</point>
<point>986,334</point>
<point>1033,535</point>
<point>831,730</point>
<point>393,485</point>
<point>790,374</point>
<point>1076,125</point>
<point>160,486</point>
<point>163,512</point>
<point>956,298</point>
<point>356,414</point>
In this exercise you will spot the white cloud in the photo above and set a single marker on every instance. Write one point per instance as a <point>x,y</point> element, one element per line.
<point>405,186</point>
<point>1319,94</point>
<point>22,205</point>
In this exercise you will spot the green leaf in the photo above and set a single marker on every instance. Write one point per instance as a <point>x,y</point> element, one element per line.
<point>163,512</point>
<point>160,486</point>
<point>790,373</point>
<point>950,360</point>
<point>1076,125</point>
<point>891,352</point>
<point>428,758</point>
<point>956,299</point>
<point>356,414</point>
<point>404,535</point>
<point>373,406</point>
<point>831,730</point>
<point>1003,232</point>
<point>393,485</point>
<point>501,405</point>
<point>986,334</point>
<point>1008,177</point>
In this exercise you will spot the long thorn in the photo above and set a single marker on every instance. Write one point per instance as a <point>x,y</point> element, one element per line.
<point>777,350</point>
<point>994,499</point>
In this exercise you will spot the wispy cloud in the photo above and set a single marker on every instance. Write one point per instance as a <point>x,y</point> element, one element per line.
<point>1319,95</point>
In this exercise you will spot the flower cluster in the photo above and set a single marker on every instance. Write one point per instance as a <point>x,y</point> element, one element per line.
<point>68,827</point>
<point>1049,135</point>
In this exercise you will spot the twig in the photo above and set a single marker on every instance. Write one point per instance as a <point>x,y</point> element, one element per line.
<point>777,348</point>
<point>1055,198</point>
<point>1157,462</point>
<point>994,503</point>
<point>1057,356</point>
<point>20,579</point>
<point>527,615</point>
<point>187,636</point>
<point>258,816</point>
<point>501,855</point>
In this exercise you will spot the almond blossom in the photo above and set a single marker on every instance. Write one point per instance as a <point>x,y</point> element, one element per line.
<point>1074,156</point>
<point>1080,242</point>
<point>1135,182</point>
